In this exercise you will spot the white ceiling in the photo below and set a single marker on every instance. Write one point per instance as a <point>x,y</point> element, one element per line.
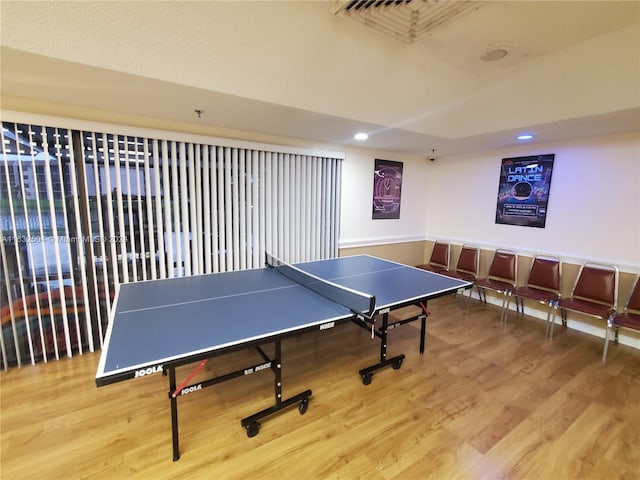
<point>297,69</point>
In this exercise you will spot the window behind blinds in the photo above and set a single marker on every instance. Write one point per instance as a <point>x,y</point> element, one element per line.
<point>83,211</point>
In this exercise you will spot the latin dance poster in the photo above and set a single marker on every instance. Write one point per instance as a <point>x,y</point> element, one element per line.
<point>523,193</point>
<point>387,187</point>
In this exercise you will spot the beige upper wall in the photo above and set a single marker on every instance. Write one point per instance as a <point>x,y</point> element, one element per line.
<point>594,201</point>
<point>357,228</point>
<point>594,204</point>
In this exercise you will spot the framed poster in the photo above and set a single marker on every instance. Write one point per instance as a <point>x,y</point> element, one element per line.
<point>523,191</point>
<point>387,187</point>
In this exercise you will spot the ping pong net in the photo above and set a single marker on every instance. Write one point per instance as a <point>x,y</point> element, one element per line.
<point>357,302</point>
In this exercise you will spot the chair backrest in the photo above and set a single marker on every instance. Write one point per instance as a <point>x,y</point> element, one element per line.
<point>504,266</point>
<point>597,283</point>
<point>633,302</point>
<point>468,260</point>
<point>545,273</point>
<point>440,254</point>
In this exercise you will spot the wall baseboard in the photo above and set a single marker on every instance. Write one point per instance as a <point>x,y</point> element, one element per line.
<point>572,323</point>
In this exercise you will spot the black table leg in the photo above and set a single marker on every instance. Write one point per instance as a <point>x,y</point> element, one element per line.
<point>174,414</point>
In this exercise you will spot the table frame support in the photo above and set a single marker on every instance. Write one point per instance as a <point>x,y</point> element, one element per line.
<point>382,332</point>
<point>251,423</point>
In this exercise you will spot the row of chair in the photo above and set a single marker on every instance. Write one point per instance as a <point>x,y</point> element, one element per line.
<point>595,292</point>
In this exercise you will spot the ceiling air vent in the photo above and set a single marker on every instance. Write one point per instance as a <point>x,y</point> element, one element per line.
<point>406,20</point>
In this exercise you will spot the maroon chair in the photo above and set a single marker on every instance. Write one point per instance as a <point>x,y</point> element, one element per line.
<point>543,285</point>
<point>467,265</point>
<point>628,318</point>
<point>595,294</point>
<point>501,279</point>
<point>439,261</point>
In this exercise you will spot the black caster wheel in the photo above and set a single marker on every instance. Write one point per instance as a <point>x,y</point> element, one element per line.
<point>366,378</point>
<point>396,364</point>
<point>253,429</point>
<point>302,408</point>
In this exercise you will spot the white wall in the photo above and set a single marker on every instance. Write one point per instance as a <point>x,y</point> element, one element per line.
<point>357,228</point>
<point>593,210</point>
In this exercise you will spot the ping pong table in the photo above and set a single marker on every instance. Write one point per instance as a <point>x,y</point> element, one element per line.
<point>159,325</point>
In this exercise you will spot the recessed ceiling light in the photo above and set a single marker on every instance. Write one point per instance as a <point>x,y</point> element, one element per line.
<point>361,136</point>
<point>524,137</point>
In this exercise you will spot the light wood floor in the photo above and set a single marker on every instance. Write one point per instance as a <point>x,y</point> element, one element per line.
<point>484,401</point>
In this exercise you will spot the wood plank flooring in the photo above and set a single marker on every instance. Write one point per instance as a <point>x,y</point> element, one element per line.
<point>484,401</point>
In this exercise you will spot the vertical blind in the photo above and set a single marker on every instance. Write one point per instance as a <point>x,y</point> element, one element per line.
<point>83,211</point>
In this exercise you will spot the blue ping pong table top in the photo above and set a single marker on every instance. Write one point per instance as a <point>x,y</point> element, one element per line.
<point>159,321</point>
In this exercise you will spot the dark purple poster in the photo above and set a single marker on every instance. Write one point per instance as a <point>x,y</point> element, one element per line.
<point>387,187</point>
<point>523,192</point>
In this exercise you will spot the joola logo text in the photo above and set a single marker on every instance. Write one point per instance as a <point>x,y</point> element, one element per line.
<point>325,326</point>
<point>148,371</point>
<point>195,388</point>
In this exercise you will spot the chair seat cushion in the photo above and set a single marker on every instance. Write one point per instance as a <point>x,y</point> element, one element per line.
<point>584,306</point>
<point>534,294</point>
<point>496,285</point>
<point>628,320</point>
<point>432,268</point>
<point>467,277</point>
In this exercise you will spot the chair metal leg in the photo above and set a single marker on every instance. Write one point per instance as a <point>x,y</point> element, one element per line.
<point>606,343</point>
<point>505,314</point>
<point>520,305</point>
<point>505,309</point>
<point>505,305</point>
<point>552,323</point>
<point>549,310</point>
